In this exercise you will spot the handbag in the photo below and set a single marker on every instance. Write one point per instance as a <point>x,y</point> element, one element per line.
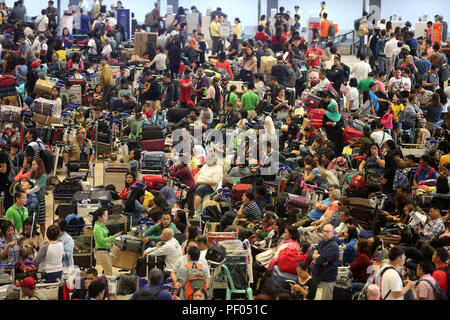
<point>265,257</point>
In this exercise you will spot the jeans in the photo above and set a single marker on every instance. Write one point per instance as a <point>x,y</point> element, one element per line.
<point>53,276</point>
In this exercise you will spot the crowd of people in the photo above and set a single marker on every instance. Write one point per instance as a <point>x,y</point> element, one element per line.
<point>339,131</point>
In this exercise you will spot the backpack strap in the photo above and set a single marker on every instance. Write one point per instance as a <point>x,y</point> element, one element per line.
<point>431,284</point>
<point>430,172</point>
<point>381,276</point>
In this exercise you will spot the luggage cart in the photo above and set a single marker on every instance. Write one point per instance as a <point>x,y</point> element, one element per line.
<point>48,290</point>
<point>58,199</point>
<point>234,259</point>
<point>220,236</point>
<point>114,173</point>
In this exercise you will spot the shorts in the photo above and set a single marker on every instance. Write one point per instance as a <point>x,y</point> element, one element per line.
<point>203,190</point>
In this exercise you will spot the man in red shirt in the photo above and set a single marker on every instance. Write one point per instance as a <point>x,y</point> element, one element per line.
<point>440,257</point>
<point>186,90</point>
<point>314,54</point>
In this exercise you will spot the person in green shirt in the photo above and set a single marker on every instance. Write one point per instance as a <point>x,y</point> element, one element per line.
<point>154,232</point>
<point>18,212</point>
<point>249,101</point>
<point>103,240</point>
<point>364,84</point>
<point>39,179</point>
<point>232,97</point>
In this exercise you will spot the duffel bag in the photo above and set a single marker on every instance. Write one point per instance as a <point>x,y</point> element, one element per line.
<point>288,259</point>
<point>69,186</point>
<point>7,81</point>
<point>103,196</point>
<point>154,182</point>
<point>216,254</point>
<point>295,203</point>
<point>342,291</point>
<point>238,190</point>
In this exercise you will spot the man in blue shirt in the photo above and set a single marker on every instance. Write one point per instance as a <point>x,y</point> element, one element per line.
<point>153,291</point>
<point>375,100</point>
<point>422,65</point>
<point>85,22</point>
<point>424,172</point>
<point>314,214</point>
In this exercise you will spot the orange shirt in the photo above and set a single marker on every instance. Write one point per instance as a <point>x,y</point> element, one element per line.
<point>324,26</point>
<point>225,65</point>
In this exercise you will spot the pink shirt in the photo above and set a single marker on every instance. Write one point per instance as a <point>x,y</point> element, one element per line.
<point>424,289</point>
<point>380,86</point>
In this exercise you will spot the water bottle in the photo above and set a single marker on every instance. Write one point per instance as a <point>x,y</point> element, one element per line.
<point>65,136</point>
<point>125,149</point>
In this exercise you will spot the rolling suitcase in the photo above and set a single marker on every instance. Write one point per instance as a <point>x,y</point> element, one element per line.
<point>153,145</point>
<point>175,115</point>
<point>238,190</point>
<point>149,262</point>
<point>362,211</point>
<point>154,182</point>
<point>152,133</point>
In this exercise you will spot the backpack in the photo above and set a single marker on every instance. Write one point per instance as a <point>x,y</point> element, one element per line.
<point>12,171</point>
<point>372,179</point>
<point>331,179</point>
<point>430,173</point>
<point>401,116</point>
<point>75,224</point>
<point>438,292</point>
<point>363,29</point>
<point>331,30</point>
<point>195,280</point>
<point>447,271</point>
<point>400,179</point>
<point>356,24</point>
<point>357,182</point>
<point>146,295</point>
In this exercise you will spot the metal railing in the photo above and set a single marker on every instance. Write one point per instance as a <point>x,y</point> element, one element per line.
<point>340,38</point>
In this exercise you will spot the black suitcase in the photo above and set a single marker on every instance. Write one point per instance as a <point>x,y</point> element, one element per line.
<point>117,223</point>
<point>152,133</point>
<point>68,186</point>
<point>145,264</point>
<point>175,115</point>
<point>63,210</point>
<point>342,291</point>
<point>130,243</point>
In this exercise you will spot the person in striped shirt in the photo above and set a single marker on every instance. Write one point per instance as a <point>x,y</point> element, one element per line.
<point>248,210</point>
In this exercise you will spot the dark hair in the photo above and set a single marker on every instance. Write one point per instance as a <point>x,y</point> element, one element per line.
<point>98,213</point>
<point>135,194</point>
<point>194,253</point>
<point>293,231</point>
<point>202,239</point>
<point>426,158</point>
<point>395,252</point>
<point>243,113</point>
<point>442,254</point>
<point>155,277</point>
<point>352,233</point>
<point>129,173</point>
<point>260,28</point>
<point>281,224</point>
<point>92,271</point>
<point>364,246</point>
<point>53,232</point>
<point>250,195</point>
<point>18,194</point>
<point>192,232</point>
<point>5,226</point>
<point>426,266</point>
<point>62,224</point>
<point>96,287</point>
<point>303,265</point>
<point>304,246</point>
<point>353,82</point>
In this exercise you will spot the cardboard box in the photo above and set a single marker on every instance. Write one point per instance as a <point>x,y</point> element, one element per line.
<point>142,40</point>
<point>266,64</point>
<point>124,259</point>
<point>43,87</point>
<point>240,87</point>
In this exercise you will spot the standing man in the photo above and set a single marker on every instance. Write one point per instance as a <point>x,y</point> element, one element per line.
<point>391,281</point>
<point>79,148</point>
<point>41,22</point>
<point>106,79</point>
<point>314,54</point>
<point>215,34</point>
<point>388,50</point>
<point>322,9</point>
<point>361,69</point>
<point>439,258</point>
<point>326,261</point>
<point>324,27</point>
<point>52,14</point>
<point>18,212</point>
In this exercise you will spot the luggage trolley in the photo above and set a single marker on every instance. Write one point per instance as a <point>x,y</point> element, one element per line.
<point>114,173</point>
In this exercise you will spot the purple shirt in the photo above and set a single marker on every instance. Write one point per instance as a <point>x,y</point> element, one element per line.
<point>203,82</point>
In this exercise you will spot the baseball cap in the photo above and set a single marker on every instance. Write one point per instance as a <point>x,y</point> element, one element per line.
<point>7,36</point>
<point>314,40</point>
<point>28,282</point>
<point>35,64</point>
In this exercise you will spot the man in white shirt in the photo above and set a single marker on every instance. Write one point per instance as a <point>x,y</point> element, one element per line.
<point>379,136</point>
<point>361,69</point>
<point>352,96</point>
<point>160,60</point>
<point>203,245</point>
<point>399,83</point>
<point>41,22</point>
<point>391,282</point>
<point>84,5</point>
<point>169,247</point>
<point>207,179</point>
<point>390,46</point>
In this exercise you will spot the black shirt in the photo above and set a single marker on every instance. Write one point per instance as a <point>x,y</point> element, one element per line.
<point>311,286</point>
<point>4,176</point>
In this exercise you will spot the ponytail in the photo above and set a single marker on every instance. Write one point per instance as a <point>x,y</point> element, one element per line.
<point>98,213</point>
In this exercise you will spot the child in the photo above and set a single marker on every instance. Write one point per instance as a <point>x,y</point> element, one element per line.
<point>32,199</point>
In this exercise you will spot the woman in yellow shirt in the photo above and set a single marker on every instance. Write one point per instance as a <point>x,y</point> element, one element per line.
<point>396,105</point>
<point>262,21</point>
<point>237,28</point>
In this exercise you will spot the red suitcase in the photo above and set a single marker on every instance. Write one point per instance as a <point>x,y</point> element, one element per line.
<point>154,182</point>
<point>153,145</point>
<point>350,133</point>
<point>316,116</point>
<point>238,190</point>
<point>7,81</point>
